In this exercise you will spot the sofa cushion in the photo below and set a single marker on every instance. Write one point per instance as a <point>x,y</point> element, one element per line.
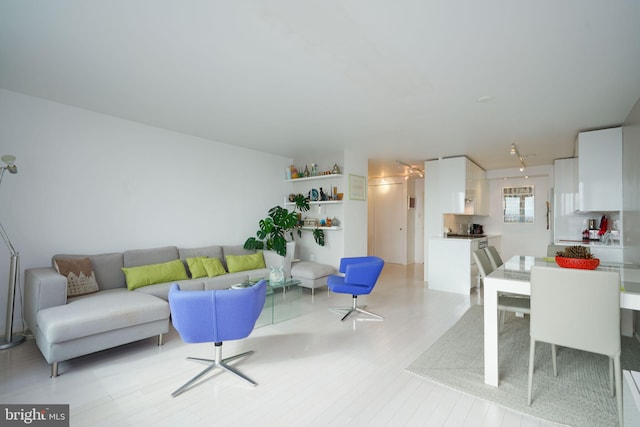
<point>138,257</point>
<point>208,251</point>
<point>107,267</point>
<point>225,281</point>
<point>81,280</point>
<point>161,290</point>
<point>145,275</point>
<point>237,263</point>
<point>100,312</point>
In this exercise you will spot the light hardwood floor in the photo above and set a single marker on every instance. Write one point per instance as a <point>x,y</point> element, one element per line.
<point>312,371</point>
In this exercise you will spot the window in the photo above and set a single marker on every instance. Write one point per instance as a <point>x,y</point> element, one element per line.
<point>518,204</point>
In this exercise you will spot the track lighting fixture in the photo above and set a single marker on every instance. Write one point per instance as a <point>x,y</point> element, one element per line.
<point>514,152</point>
<point>411,169</point>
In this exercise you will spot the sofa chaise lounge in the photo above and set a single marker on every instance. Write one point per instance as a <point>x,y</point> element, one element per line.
<point>65,327</point>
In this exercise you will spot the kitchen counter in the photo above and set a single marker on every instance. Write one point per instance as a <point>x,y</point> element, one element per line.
<point>590,243</point>
<point>605,253</point>
<point>450,264</point>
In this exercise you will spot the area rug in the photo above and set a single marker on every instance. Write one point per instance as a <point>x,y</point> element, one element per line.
<point>578,396</point>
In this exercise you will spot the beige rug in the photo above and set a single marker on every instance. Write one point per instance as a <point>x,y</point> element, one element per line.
<point>578,396</point>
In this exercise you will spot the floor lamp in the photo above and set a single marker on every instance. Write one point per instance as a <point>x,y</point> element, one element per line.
<point>14,269</point>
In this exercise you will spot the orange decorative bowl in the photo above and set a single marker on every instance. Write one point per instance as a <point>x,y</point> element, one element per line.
<point>580,263</point>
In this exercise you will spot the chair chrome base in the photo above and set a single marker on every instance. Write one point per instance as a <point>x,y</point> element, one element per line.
<point>356,308</point>
<point>218,362</point>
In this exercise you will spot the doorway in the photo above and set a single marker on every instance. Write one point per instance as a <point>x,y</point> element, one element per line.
<point>387,228</point>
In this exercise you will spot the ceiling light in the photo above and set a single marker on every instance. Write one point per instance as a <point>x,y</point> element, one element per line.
<point>514,152</point>
<point>410,169</point>
<point>486,98</point>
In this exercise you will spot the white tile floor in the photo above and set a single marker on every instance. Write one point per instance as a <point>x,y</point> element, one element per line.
<point>312,371</point>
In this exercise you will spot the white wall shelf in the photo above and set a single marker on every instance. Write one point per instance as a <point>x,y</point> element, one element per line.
<point>332,228</point>
<point>319,202</point>
<point>312,178</point>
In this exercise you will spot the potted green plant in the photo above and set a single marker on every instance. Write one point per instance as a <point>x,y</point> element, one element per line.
<point>278,228</point>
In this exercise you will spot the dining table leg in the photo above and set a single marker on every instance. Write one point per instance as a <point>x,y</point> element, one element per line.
<point>490,332</point>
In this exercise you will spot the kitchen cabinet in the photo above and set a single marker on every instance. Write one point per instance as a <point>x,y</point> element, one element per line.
<point>565,186</point>
<point>463,187</point>
<point>600,170</point>
<point>606,253</point>
<point>451,265</point>
<point>495,241</point>
<point>566,224</point>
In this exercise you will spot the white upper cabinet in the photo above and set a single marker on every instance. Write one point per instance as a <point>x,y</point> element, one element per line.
<point>600,170</point>
<point>453,176</point>
<point>565,186</point>
<point>463,187</point>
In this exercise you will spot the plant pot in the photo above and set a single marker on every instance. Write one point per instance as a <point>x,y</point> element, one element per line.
<point>579,263</point>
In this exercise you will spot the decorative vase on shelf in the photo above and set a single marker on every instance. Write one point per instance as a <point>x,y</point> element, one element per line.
<point>323,196</point>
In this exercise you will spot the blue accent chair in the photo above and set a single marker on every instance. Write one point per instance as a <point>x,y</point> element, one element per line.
<point>216,316</point>
<point>360,276</point>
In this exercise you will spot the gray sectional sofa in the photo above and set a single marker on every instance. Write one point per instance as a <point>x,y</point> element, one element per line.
<point>65,328</point>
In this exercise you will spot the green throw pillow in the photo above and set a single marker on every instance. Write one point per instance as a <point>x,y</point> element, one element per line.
<point>151,274</point>
<point>214,266</point>
<point>196,267</point>
<point>205,267</point>
<point>237,263</point>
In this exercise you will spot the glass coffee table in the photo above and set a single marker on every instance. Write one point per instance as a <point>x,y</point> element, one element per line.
<point>282,301</point>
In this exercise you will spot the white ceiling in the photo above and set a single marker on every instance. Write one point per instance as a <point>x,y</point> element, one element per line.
<point>397,80</point>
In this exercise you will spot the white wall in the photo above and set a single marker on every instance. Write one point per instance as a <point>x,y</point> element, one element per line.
<point>520,239</point>
<point>433,220</point>
<point>91,183</point>
<point>416,222</point>
<point>630,186</point>
<point>355,211</point>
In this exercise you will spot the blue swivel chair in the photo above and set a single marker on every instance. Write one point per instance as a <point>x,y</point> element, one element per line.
<point>360,276</point>
<point>216,316</point>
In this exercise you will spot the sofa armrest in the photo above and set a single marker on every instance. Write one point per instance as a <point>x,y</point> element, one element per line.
<point>43,288</point>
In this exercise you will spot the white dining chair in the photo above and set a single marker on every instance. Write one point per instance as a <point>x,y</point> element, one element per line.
<point>506,302</point>
<point>483,263</point>
<point>579,309</point>
<point>494,256</point>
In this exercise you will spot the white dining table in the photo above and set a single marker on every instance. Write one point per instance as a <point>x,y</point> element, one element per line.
<point>513,277</point>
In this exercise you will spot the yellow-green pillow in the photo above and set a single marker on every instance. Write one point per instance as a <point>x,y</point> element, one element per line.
<point>196,267</point>
<point>237,263</point>
<point>151,274</point>
<point>204,266</point>
<point>214,266</point>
